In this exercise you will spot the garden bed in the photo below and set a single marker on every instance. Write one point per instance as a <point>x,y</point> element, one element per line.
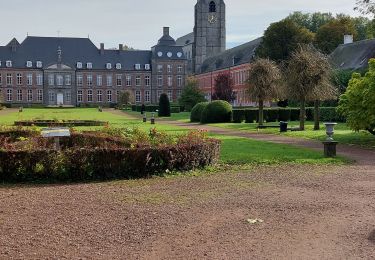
<point>102,156</point>
<point>60,123</point>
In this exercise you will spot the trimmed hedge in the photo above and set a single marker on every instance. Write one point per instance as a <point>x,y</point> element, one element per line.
<point>218,111</point>
<point>285,114</point>
<point>175,110</point>
<point>60,123</point>
<point>196,112</point>
<point>153,108</point>
<point>83,163</point>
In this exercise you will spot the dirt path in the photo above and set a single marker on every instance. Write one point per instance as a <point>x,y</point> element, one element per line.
<point>7,111</point>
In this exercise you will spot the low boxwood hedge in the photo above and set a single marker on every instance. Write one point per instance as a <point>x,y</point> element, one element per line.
<point>88,161</point>
<point>196,112</point>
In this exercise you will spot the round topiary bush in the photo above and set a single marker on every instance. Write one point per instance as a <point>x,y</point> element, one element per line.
<point>218,111</point>
<point>197,110</point>
<point>164,106</point>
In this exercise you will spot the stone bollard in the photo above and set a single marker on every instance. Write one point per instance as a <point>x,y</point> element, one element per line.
<point>153,118</point>
<point>144,118</point>
<point>20,109</point>
<point>330,149</point>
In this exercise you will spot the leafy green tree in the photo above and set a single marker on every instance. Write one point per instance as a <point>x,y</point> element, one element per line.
<point>164,106</point>
<point>124,98</point>
<point>264,76</point>
<point>365,7</point>
<point>331,35</point>
<point>281,39</point>
<point>312,21</point>
<point>191,95</point>
<point>308,77</point>
<point>358,102</point>
<point>223,89</point>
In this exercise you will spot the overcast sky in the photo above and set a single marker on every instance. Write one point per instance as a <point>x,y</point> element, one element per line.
<point>138,23</point>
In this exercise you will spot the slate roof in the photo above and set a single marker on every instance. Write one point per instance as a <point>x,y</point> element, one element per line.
<point>236,56</point>
<point>73,50</point>
<point>186,39</point>
<point>167,44</point>
<point>353,56</point>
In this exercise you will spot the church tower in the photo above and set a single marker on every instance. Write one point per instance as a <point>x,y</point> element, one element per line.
<point>209,31</point>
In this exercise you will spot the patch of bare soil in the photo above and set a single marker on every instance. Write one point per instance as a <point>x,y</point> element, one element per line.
<point>307,214</point>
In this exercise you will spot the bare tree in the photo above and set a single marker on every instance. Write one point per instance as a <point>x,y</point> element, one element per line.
<point>308,78</point>
<point>264,76</point>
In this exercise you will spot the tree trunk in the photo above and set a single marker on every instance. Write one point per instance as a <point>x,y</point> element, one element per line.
<point>316,115</point>
<point>371,131</point>
<point>302,115</point>
<point>261,106</point>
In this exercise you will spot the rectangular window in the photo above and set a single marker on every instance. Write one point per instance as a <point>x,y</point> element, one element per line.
<point>68,80</point>
<point>169,68</point>
<point>9,95</point>
<point>109,80</point>
<point>138,81</point>
<point>160,81</point>
<point>68,97</point>
<point>79,80</point>
<point>128,80</point>
<point>9,79</point>
<point>179,81</point>
<point>109,96</point>
<point>40,95</point>
<point>159,94</point>
<point>100,96</point>
<point>19,79</point>
<point>39,79</point>
<point>147,81</point>
<point>89,95</point>
<point>179,69</point>
<point>51,80</point>
<point>79,96</point>
<point>179,93</point>
<point>89,80</point>
<point>138,96</point>
<point>170,81</point>
<point>99,80</point>
<point>29,79</point>
<point>160,68</point>
<point>170,96</point>
<point>147,96</point>
<point>59,80</point>
<point>29,95</point>
<point>1,79</point>
<point>19,95</point>
<point>51,97</point>
<point>119,80</point>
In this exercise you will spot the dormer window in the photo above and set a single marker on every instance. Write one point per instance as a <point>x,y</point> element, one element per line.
<point>0,63</point>
<point>118,66</point>
<point>29,64</point>
<point>79,65</point>
<point>147,66</point>
<point>39,64</point>
<point>137,66</point>
<point>8,63</point>
<point>108,66</point>
<point>212,7</point>
<point>89,65</point>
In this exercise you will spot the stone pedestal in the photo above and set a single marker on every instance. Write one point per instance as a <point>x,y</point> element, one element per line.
<point>152,121</point>
<point>330,148</point>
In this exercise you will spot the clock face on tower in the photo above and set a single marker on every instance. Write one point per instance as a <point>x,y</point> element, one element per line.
<point>212,18</point>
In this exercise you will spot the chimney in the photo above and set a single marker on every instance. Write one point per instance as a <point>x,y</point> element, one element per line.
<point>120,47</point>
<point>101,48</point>
<point>348,39</point>
<point>166,31</point>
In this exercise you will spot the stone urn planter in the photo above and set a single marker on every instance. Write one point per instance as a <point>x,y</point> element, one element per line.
<point>330,130</point>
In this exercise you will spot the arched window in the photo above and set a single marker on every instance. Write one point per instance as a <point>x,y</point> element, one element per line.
<point>212,7</point>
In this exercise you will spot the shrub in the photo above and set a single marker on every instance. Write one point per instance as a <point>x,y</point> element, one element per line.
<point>100,156</point>
<point>294,114</point>
<point>196,112</point>
<point>284,114</point>
<point>330,114</point>
<point>271,115</point>
<point>238,115</point>
<point>251,115</point>
<point>164,106</point>
<point>218,111</point>
<point>175,110</point>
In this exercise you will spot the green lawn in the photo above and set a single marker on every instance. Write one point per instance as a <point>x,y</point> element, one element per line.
<point>183,116</point>
<point>235,150</point>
